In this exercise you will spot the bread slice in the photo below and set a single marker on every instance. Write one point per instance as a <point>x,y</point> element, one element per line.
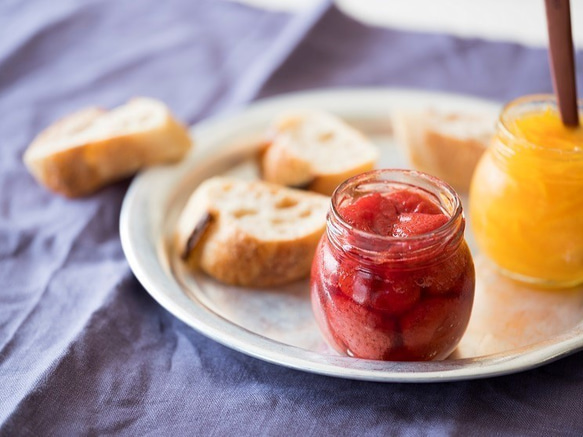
<point>316,150</point>
<point>93,147</point>
<point>445,144</point>
<point>251,233</point>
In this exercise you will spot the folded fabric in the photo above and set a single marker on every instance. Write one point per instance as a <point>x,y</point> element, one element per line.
<point>84,350</point>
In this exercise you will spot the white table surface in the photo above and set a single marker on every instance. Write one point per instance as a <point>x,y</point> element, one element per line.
<point>521,21</point>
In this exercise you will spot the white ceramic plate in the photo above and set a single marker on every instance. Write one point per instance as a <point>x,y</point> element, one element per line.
<point>512,328</point>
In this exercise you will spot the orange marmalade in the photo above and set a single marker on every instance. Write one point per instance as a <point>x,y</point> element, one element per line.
<point>526,197</point>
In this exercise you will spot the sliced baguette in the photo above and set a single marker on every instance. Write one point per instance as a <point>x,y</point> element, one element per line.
<point>91,148</point>
<point>316,150</point>
<point>445,144</point>
<point>251,233</point>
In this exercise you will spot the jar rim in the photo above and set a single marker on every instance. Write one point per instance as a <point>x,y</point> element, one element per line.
<point>370,176</point>
<point>546,99</point>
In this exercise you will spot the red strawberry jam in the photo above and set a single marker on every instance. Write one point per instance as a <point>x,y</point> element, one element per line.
<point>393,278</point>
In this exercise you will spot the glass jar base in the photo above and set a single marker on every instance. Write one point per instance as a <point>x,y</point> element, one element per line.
<point>547,284</point>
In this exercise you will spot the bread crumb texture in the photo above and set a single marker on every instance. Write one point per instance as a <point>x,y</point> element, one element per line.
<point>91,148</point>
<point>261,234</point>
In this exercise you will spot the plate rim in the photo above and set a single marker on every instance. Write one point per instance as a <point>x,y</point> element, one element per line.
<point>215,327</point>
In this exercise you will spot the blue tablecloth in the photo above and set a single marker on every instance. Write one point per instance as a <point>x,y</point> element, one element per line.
<point>84,350</point>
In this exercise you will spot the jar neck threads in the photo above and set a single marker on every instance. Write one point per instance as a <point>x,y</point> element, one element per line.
<point>424,248</point>
<point>510,141</point>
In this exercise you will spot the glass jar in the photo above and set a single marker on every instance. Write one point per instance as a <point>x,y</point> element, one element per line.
<point>526,197</point>
<point>393,298</point>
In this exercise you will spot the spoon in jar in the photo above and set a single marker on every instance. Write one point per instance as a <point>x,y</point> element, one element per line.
<point>562,59</point>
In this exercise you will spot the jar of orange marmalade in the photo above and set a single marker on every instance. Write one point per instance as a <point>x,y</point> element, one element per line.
<point>526,197</point>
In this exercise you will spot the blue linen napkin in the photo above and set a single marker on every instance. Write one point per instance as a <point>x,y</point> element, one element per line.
<point>84,350</point>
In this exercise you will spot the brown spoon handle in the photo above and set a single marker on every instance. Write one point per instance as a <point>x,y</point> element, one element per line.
<point>562,59</point>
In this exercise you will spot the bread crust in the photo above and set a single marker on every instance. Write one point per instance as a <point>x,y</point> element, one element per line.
<point>281,164</point>
<point>235,256</point>
<point>84,168</point>
<point>434,150</point>
<point>327,183</point>
<point>454,159</point>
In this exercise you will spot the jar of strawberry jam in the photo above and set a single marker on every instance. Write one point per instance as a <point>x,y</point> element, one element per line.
<point>393,278</point>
